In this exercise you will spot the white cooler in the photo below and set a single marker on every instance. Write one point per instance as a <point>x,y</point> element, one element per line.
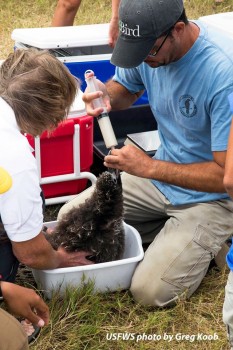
<point>222,22</point>
<point>78,47</point>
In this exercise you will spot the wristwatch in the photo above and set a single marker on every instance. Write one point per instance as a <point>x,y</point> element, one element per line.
<point>1,296</point>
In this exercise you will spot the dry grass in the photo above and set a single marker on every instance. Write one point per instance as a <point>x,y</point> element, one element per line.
<point>38,13</point>
<point>83,320</point>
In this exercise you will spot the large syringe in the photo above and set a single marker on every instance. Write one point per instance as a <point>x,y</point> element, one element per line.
<point>103,119</point>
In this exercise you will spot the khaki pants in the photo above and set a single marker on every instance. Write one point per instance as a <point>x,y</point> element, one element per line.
<point>12,335</point>
<point>184,240</point>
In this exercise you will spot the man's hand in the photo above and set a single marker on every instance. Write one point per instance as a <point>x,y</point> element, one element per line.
<point>113,32</point>
<point>26,303</point>
<point>129,159</point>
<point>74,258</point>
<point>71,258</point>
<point>38,253</point>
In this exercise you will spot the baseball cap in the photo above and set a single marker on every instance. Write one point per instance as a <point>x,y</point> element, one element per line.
<point>141,22</point>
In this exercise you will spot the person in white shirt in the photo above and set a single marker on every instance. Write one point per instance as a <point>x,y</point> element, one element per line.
<point>36,92</point>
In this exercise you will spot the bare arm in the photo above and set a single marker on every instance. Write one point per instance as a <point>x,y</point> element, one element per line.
<point>113,27</point>
<point>205,176</point>
<point>26,303</point>
<point>120,97</point>
<point>38,253</point>
<point>228,177</point>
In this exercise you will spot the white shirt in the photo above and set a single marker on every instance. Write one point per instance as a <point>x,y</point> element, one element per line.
<point>21,206</point>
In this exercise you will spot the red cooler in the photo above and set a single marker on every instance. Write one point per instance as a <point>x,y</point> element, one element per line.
<point>64,158</point>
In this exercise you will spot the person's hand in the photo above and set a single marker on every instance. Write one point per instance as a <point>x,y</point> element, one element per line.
<point>113,32</point>
<point>131,160</point>
<point>26,303</point>
<point>88,98</point>
<point>70,259</point>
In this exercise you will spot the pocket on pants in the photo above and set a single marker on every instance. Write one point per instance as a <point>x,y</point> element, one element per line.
<point>189,267</point>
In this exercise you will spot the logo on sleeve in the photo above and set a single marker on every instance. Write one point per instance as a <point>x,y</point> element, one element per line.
<point>187,106</point>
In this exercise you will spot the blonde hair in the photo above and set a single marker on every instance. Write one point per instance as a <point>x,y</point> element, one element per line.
<point>38,87</point>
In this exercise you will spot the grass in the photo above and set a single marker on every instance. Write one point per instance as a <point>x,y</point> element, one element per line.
<point>86,320</point>
<point>83,319</point>
<point>38,13</point>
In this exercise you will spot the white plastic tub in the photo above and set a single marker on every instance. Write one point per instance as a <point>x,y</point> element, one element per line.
<point>109,276</point>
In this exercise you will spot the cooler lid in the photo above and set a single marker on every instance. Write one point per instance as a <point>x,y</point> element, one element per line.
<point>220,21</point>
<point>61,37</point>
<point>78,106</point>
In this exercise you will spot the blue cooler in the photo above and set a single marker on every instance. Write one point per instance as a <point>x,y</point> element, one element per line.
<point>80,48</point>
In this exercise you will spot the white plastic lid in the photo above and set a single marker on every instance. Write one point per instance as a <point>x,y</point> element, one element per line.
<point>63,37</point>
<point>220,21</point>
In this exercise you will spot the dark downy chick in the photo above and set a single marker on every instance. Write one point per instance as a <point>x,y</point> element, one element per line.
<point>96,225</point>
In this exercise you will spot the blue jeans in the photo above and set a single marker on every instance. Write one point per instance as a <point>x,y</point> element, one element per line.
<point>8,263</point>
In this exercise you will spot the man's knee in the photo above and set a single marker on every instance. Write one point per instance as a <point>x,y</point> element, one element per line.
<point>159,293</point>
<point>79,199</point>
